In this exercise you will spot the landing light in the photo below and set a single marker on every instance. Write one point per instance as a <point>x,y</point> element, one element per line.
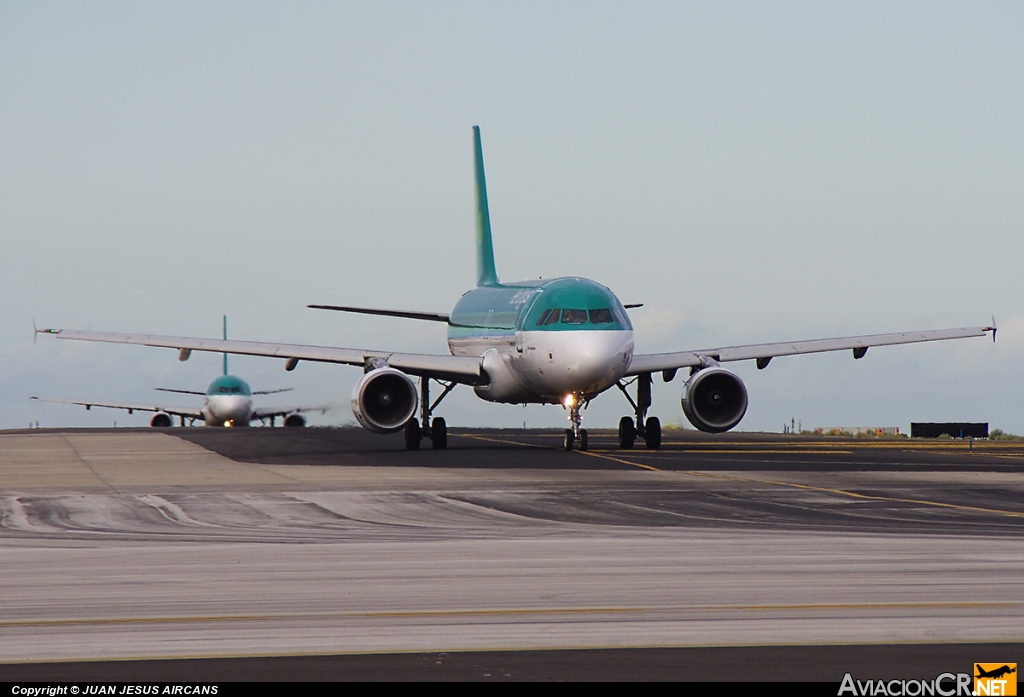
<point>229,424</point>
<point>570,400</point>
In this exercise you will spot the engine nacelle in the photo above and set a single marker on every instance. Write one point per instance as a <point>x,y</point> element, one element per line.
<point>295,420</point>
<point>384,399</point>
<point>160,420</point>
<point>714,400</point>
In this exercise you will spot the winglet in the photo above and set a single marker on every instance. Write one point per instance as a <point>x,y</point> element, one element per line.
<point>37,331</point>
<point>485,271</point>
<point>993,328</point>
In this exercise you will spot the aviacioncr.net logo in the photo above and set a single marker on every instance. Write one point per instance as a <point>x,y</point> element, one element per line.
<point>945,685</point>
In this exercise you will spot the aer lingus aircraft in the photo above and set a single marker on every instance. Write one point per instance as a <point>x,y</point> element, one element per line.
<point>560,341</point>
<point>228,403</point>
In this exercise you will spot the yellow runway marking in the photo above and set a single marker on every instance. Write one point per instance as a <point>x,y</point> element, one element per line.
<point>615,459</point>
<point>512,612</point>
<point>502,440</point>
<point>954,448</point>
<point>829,490</point>
<point>792,485</point>
<point>781,451</point>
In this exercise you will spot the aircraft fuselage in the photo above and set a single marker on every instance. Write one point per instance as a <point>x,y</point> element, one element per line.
<point>228,402</point>
<point>543,340</point>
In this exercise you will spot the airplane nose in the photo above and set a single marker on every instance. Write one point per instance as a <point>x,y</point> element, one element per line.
<point>598,359</point>
<point>229,408</point>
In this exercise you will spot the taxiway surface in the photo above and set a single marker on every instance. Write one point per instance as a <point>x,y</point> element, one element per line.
<point>203,543</point>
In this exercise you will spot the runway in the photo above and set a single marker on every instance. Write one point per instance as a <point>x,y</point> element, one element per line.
<point>136,545</point>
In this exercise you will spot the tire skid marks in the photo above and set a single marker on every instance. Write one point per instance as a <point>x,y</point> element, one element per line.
<point>412,509</point>
<point>14,516</point>
<point>244,515</point>
<point>171,511</point>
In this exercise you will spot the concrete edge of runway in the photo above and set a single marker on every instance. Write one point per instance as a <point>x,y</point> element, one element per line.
<point>816,663</point>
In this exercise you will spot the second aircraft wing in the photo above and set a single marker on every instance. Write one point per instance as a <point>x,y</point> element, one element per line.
<point>187,412</point>
<point>653,362</point>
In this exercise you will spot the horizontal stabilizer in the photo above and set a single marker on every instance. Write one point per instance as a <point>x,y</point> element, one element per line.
<point>283,389</point>
<point>168,389</point>
<point>431,316</point>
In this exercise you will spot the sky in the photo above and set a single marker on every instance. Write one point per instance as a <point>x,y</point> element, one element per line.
<point>751,172</point>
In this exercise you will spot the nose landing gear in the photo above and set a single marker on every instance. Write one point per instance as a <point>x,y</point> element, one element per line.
<point>575,434</point>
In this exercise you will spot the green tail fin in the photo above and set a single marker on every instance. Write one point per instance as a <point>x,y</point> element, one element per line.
<point>225,339</point>
<point>485,272</point>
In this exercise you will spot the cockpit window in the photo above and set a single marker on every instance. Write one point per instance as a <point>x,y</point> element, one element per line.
<point>553,317</point>
<point>603,316</point>
<point>574,316</point>
<point>543,317</point>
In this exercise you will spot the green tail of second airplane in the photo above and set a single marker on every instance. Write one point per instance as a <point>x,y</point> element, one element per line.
<point>486,273</point>
<point>225,339</point>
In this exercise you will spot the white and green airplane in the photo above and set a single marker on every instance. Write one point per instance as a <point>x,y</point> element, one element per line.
<point>560,341</point>
<point>228,403</point>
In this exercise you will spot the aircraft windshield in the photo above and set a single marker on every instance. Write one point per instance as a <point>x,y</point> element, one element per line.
<point>559,305</point>
<point>229,384</point>
<point>570,316</point>
<point>574,316</point>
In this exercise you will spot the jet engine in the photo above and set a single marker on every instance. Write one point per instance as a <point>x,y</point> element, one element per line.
<point>384,399</point>
<point>160,420</point>
<point>714,400</point>
<point>295,420</point>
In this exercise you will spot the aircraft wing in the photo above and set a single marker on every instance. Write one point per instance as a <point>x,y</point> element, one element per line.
<point>187,412</point>
<point>461,369</point>
<point>653,362</point>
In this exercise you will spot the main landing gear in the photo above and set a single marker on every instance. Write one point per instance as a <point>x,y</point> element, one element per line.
<point>575,436</point>
<point>436,430</point>
<point>647,428</point>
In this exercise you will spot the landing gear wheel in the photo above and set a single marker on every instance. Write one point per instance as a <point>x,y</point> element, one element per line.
<point>569,439</point>
<point>439,433</point>
<point>652,433</point>
<point>627,433</point>
<point>583,440</point>
<point>412,435</point>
